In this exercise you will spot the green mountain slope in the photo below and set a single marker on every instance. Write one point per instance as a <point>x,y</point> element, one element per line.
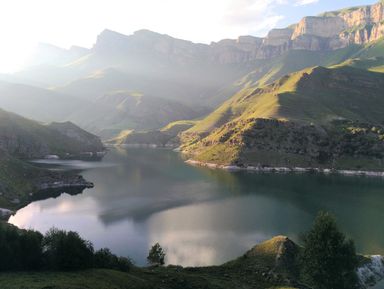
<point>113,112</point>
<point>166,136</point>
<point>267,71</point>
<point>24,138</point>
<point>323,117</point>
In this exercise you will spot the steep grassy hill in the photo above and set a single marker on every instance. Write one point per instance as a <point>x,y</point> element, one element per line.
<point>26,139</point>
<point>328,117</point>
<point>266,71</point>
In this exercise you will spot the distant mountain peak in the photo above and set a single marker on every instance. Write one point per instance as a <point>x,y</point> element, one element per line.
<point>147,32</point>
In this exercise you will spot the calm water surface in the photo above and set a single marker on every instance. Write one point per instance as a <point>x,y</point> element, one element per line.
<point>202,216</point>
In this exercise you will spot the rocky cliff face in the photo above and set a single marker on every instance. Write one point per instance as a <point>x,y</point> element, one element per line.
<point>330,31</point>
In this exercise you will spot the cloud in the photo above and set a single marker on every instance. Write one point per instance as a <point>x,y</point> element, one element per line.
<point>305,2</point>
<point>257,17</point>
<point>253,16</point>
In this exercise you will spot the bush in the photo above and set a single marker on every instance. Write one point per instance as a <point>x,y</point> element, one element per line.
<point>105,259</point>
<point>67,251</point>
<point>124,264</point>
<point>328,259</point>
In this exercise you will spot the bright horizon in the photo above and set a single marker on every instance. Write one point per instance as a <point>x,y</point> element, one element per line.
<point>25,23</point>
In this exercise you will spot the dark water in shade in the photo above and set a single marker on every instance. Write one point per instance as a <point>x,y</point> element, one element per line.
<point>203,216</point>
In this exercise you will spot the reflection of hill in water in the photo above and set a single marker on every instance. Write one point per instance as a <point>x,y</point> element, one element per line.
<point>54,193</point>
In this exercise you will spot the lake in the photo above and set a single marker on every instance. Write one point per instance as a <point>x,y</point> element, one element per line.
<point>202,216</point>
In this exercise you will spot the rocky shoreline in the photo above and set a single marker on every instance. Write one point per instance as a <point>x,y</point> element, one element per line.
<point>287,169</point>
<point>48,187</point>
<point>372,272</point>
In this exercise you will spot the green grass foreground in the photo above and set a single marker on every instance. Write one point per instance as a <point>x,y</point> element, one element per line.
<point>137,279</point>
<point>257,268</point>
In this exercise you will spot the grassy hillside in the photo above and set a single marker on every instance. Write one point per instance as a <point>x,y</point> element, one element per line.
<point>256,269</point>
<point>15,180</point>
<point>166,136</point>
<point>314,94</point>
<point>24,138</point>
<point>22,183</point>
<point>266,71</point>
<point>125,110</point>
<point>315,117</point>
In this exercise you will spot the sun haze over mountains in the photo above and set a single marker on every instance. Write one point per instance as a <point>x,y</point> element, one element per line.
<point>24,24</point>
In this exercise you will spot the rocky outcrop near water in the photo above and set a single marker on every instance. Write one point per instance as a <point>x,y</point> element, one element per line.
<point>21,140</point>
<point>371,272</point>
<point>22,183</point>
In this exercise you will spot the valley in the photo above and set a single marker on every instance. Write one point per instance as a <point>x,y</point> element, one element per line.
<point>208,149</point>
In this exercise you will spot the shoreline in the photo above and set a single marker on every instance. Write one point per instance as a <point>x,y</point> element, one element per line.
<point>326,171</point>
<point>48,190</point>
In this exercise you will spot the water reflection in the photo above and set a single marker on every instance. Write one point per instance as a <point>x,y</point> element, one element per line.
<point>203,216</point>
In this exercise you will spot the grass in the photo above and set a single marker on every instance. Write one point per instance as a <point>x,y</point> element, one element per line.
<point>140,279</point>
<point>33,140</point>
<point>174,128</point>
<point>254,271</point>
<point>315,95</point>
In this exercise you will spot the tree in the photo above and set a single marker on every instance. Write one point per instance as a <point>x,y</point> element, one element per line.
<point>67,251</point>
<point>156,255</point>
<point>31,250</point>
<point>19,249</point>
<point>328,259</point>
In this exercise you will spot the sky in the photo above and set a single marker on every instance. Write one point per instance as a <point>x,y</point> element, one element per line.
<point>25,23</point>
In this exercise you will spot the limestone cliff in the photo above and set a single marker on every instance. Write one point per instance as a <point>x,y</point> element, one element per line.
<point>329,31</point>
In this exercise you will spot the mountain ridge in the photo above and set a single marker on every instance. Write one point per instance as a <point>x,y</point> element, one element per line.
<point>318,117</point>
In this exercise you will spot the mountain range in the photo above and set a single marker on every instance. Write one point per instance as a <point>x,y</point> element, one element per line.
<point>318,74</point>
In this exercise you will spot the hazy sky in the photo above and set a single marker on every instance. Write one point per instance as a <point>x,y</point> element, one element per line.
<point>24,23</point>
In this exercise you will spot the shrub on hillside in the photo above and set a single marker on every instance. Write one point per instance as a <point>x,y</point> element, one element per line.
<point>66,251</point>
<point>105,259</point>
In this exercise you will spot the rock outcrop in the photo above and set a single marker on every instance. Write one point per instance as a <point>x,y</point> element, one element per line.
<point>330,31</point>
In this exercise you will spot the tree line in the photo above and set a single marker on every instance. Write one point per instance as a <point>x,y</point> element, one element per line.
<point>29,250</point>
<point>327,258</point>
